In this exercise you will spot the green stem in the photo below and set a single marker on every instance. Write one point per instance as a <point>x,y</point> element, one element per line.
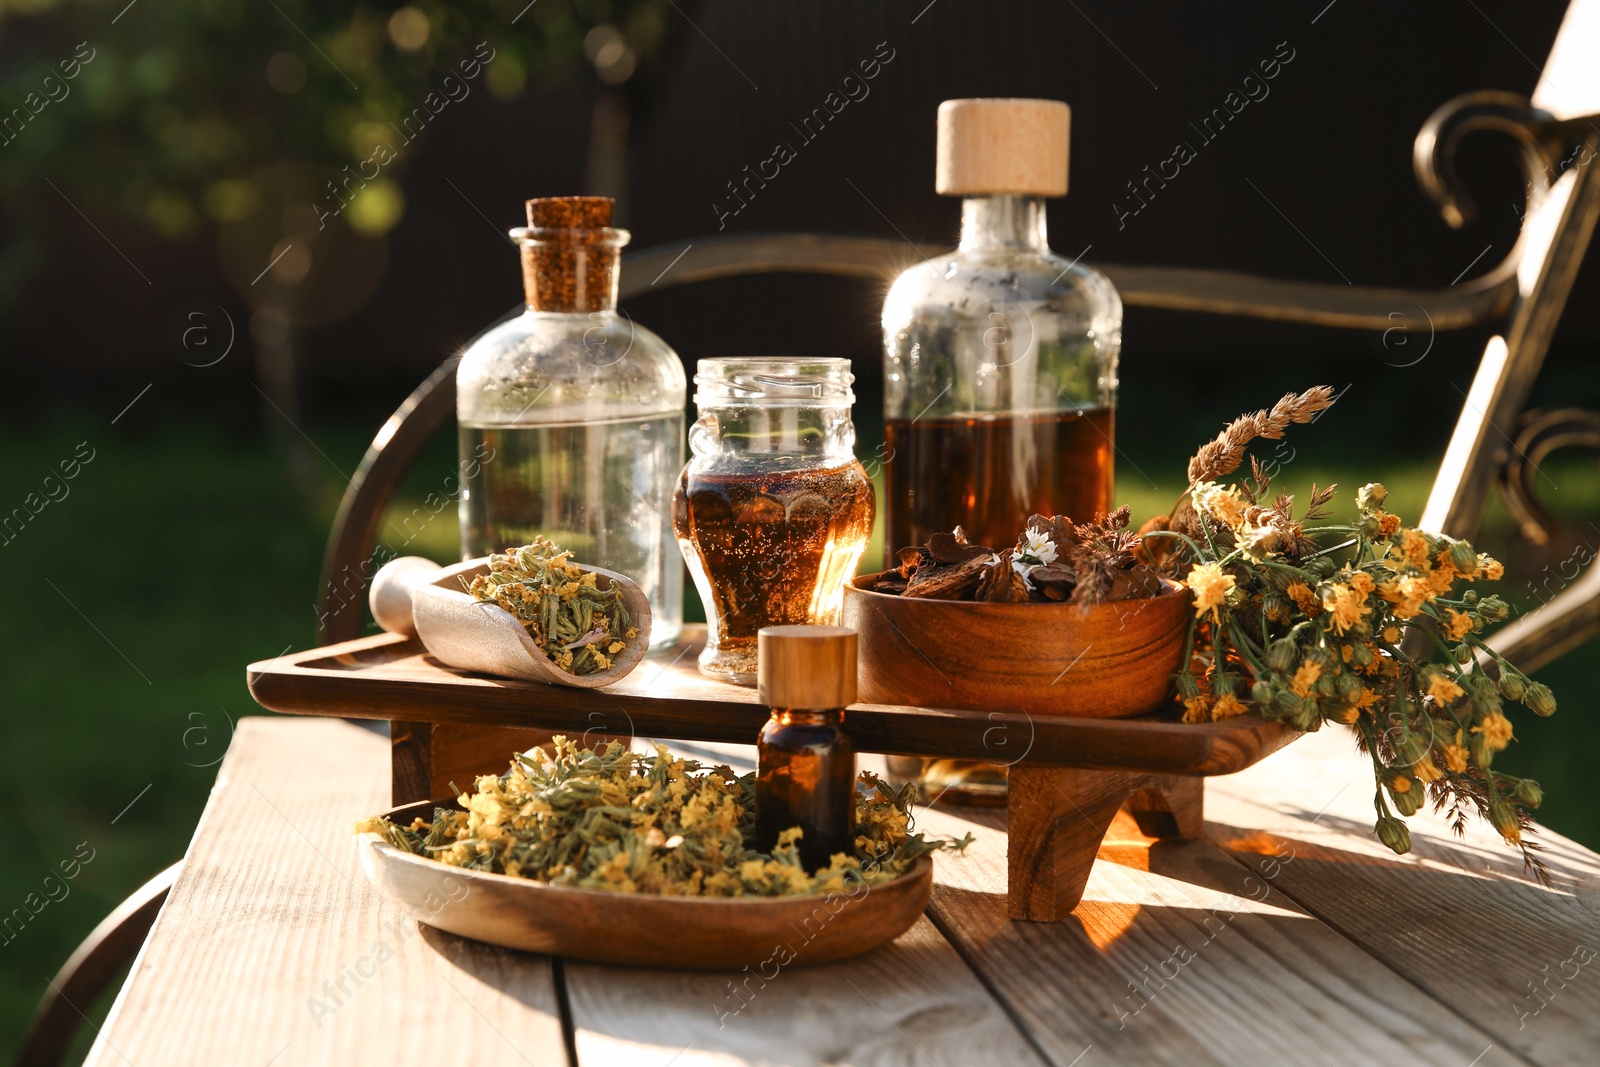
<point>1247,648</point>
<point>1332,548</point>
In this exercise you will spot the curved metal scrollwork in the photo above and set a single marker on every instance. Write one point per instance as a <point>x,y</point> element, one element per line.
<point>1538,135</point>
<point>1568,591</point>
<point>1538,435</point>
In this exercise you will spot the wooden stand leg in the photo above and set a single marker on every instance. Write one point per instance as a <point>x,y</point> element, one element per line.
<point>1170,806</point>
<point>426,757</point>
<point>410,757</point>
<point>1059,815</point>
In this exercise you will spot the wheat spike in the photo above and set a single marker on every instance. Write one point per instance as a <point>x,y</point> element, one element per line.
<point>1223,455</point>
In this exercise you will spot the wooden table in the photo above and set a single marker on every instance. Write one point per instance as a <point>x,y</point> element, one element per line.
<point>1285,935</point>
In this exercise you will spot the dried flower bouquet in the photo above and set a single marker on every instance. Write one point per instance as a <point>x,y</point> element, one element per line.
<point>1372,625</point>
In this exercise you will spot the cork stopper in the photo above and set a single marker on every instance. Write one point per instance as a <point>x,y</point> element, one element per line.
<point>1003,145</point>
<point>569,212</point>
<point>806,666</point>
<point>570,254</point>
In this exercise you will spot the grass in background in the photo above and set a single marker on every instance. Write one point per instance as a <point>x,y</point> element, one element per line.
<point>182,555</point>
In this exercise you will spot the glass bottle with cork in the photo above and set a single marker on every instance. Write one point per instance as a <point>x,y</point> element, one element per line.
<point>806,767</point>
<point>571,416</point>
<point>1000,362</point>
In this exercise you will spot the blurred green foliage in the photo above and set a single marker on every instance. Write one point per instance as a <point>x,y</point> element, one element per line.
<point>169,115</point>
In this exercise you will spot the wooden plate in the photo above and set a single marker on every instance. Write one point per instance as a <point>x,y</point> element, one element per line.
<point>702,933</point>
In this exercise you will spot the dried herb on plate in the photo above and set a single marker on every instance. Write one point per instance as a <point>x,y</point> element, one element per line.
<point>579,625</point>
<point>617,820</point>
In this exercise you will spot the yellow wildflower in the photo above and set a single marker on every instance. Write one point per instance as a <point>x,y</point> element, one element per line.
<point>1441,579</point>
<point>1455,757</point>
<point>1366,699</point>
<point>1413,548</point>
<point>1391,634</point>
<point>1388,523</point>
<point>1345,607</point>
<point>1426,770</point>
<point>1196,709</point>
<point>1492,568</point>
<point>1361,582</point>
<point>1221,503</point>
<point>1227,707</point>
<point>1442,688</point>
<point>1300,593</point>
<point>1495,730</point>
<point>1305,678</point>
<point>1211,588</point>
<point>1407,594</point>
<point>1347,714</point>
<point>1459,624</point>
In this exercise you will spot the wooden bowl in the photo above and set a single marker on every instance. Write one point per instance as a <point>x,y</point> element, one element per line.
<point>699,933</point>
<point>1109,661</point>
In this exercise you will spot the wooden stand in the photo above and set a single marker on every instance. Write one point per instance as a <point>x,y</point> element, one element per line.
<point>450,726</point>
<point>1057,817</point>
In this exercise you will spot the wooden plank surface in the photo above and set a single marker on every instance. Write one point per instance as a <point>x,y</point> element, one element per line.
<point>911,1002</point>
<point>914,1002</point>
<point>1286,936</point>
<point>1179,955</point>
<point>386,676</point>
<point>272,915</point>
<point>1457,916</point>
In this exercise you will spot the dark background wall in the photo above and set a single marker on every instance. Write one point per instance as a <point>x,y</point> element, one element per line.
<point>1312,182</point>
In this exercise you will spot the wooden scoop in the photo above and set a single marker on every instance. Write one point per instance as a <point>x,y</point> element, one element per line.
<point>416,596</point>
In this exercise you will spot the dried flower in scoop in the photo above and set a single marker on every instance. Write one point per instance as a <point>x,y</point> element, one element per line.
<point>579,625</point>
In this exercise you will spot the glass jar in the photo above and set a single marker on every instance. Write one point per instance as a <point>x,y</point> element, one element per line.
<point>773,510</point>
<point>571,416</point>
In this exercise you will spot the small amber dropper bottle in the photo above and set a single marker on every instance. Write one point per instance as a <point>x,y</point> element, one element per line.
<point>806,769</point>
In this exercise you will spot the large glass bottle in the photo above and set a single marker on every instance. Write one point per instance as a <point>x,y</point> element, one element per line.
<point>571,416</point>
<point>1000,363</point>
<point>1000,359</point>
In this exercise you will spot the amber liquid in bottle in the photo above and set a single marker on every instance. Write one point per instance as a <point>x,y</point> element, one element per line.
<point>805,777</point>
<point>988,473</point>
<point>771,548</point>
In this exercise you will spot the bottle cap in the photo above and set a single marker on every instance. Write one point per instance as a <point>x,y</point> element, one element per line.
<point>806,666</point>
<point>1003,145</point>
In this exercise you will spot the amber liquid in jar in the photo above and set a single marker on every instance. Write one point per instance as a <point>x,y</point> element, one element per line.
<point>770,548</point>
<point>805,777</point>
<point>988,473</point>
